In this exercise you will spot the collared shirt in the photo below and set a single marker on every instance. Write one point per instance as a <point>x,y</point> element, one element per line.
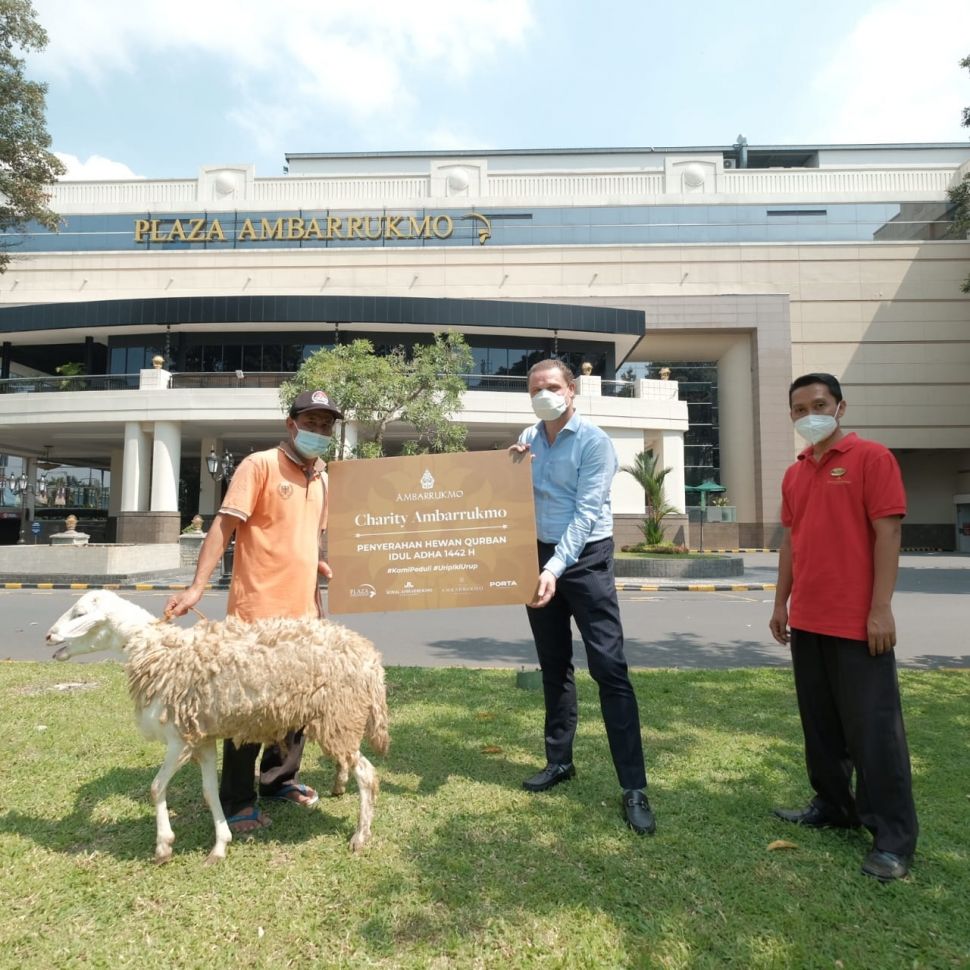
<point>282,505</point>
<point>571,481</point>
<point>830,506</point>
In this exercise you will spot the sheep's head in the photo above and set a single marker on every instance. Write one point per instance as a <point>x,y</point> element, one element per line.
<point>99,621</point>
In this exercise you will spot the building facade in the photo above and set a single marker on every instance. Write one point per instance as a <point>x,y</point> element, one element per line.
<point>735,268</point>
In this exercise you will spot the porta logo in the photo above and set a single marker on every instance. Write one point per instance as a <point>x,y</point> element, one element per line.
<point>502,583</point>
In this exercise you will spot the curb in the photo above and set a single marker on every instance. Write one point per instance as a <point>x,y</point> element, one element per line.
<point>693,587</point>
<point>735,550</point>
<point>621,587</point>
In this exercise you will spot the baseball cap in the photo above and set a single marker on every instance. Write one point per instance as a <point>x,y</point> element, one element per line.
<point>314,401</point>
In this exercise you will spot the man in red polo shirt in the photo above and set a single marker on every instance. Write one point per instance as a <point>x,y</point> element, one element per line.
<point>842,504</point>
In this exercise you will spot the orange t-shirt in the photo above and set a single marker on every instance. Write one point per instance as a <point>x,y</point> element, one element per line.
<point>282,506</point>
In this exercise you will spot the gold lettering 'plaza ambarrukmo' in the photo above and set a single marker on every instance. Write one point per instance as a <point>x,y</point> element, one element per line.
<point>296,229</point>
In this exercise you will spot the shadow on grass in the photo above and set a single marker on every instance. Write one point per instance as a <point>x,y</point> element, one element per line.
<point>720,755</point>
<point>88,828</point>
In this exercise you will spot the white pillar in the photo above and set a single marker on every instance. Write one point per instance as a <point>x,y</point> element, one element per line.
<point>672,457</point>
<point>626,495</point>
<point>135,479</point>
<point>166,458</point>
<point>117,477</point>
<point>736,414</point>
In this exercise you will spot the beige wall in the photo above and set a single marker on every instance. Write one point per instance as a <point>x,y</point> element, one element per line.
<point>888,318</point>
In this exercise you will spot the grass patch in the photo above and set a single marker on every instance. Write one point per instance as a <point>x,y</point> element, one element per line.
<point>465,868</point>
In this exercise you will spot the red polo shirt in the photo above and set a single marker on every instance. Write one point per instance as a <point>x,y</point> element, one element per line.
<point>830,506</point>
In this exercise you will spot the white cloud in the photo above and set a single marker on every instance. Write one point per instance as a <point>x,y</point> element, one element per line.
<point>896,77</point>
<point>96,168</point>
<point>451,139</point>
<point>360,59</point>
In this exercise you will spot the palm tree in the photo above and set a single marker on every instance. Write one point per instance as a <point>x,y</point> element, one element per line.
<point>651,480</point>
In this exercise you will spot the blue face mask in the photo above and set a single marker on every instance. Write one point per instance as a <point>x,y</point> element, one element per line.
<point>310,444</point>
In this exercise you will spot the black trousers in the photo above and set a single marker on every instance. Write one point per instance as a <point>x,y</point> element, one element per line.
<point>237,788</point>
<point>852,719</point>
<point>586,592</point>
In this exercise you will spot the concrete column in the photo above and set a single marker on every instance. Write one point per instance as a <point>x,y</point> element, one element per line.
<point>736,412</point>
<point>209,491</point>
<point>589,385</point>
<point>672,457</point>
<point>626,495</point>
<point>166,460</point>
<point>135,479</point>
<point>117,477</point>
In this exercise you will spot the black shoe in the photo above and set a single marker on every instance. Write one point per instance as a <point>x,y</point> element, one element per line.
<point>549,777</point>
<point>812,817</point>
<point>886,866</point>
<point>639,817</point>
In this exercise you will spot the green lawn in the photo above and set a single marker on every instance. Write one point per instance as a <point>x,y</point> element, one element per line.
<point>465,869</point>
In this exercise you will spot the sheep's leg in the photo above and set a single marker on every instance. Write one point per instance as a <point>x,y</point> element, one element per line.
<point>340,776</point>
<point>176,754</point>
<point>367,787</point>
<point>210,788</point>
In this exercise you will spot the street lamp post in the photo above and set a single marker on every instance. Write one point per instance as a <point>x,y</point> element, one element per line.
<point>21,487</point>
<point>221,469</point>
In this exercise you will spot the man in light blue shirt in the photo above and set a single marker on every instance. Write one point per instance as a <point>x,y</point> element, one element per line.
<point>573,464</point>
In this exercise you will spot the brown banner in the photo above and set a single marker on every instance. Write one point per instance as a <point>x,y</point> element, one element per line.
<point>431,532</point>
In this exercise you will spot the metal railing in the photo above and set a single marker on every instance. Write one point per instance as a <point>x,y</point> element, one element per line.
<point>81,382</point>
<point>222,379</point>
<point>187,379</point>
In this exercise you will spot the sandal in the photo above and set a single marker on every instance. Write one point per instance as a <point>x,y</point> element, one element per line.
<point>301,795</point>
<point>248,821</point>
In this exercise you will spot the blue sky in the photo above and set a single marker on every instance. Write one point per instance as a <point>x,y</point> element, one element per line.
<point>158,89</point>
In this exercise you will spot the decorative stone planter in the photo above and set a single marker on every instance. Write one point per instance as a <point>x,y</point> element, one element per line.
<point>715,567</point>
<point>189,545</point>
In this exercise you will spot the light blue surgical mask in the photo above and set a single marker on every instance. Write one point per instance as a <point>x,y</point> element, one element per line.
<point>310,444</point>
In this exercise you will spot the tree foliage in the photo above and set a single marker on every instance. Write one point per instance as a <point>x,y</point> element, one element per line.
<point>423,389</point>
<point>960,194</point>
<point>651,479</point>
<point>27,168</point>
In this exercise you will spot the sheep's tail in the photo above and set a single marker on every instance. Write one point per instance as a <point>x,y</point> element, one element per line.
<point>377,719</point>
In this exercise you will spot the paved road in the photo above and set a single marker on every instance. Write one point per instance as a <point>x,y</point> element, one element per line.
<point>663,629</point>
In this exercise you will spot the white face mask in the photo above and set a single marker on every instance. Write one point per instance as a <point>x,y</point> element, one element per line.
<point>548,405</point>
<point>816,427</point>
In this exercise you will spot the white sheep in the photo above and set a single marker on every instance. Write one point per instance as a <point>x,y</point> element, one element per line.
<point>251,682</point>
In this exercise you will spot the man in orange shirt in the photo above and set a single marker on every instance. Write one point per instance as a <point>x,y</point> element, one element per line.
<point>842,503</point>
<point>276,504</point>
